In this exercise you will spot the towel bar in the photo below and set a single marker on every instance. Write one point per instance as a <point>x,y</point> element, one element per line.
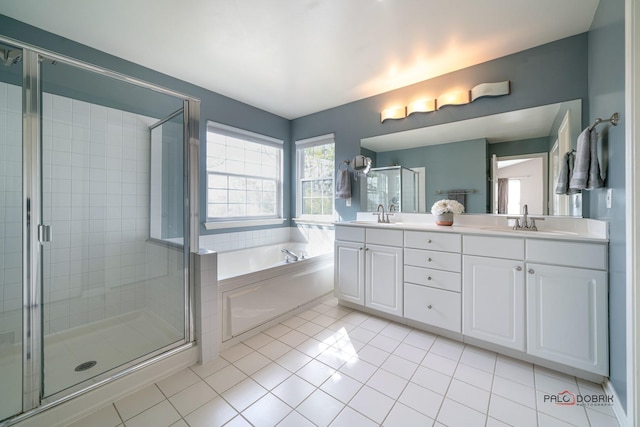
<point>613,120</point>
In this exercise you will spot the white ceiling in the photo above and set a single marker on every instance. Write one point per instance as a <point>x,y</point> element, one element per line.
<point>297,57</point>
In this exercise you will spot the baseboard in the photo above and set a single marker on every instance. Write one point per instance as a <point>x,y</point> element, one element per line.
<point>618,410</point>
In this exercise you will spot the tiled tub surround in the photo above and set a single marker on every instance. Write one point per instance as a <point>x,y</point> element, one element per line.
<point>331,365</point>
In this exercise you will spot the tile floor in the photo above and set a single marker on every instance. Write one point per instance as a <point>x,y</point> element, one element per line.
<point>334,366</point>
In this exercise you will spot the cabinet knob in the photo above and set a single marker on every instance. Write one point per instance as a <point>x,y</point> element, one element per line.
<point>531,271</point>
<point>367,249</point>
<point>428,277</point>
<point>428,259</point>
<point>428,240</point>
<point>429,306</point>
<point>518,268</point>
<point>360,249</point>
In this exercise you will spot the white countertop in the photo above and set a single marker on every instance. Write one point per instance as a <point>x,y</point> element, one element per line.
<point>555,228</point>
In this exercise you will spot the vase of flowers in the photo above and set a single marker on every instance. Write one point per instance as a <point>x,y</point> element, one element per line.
<point>444,210</point>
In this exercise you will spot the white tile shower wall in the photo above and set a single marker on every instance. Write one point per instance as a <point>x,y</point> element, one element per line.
<point>10,213</point>
<point>95,186</point>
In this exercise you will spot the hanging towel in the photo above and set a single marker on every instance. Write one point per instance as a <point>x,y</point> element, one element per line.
<point>343,184</point>
<point>566,172</point>
<point>458,195</point>
<point>586,173</point>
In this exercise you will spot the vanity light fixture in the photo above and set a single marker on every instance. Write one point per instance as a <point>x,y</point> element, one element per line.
<point>393,113</point>
<point>453,98</point>
<point>422,106</point>
<point>490,89</point>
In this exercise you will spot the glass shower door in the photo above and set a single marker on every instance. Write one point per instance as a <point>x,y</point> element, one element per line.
<point>112,294</point>
<point>11,231</point>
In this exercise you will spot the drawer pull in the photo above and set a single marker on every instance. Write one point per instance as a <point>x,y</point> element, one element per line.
<point>518,268</point>
<point>428,277</point>
<point>531,271</point>
<point>429,306</point>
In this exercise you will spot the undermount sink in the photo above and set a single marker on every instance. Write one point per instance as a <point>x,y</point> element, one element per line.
<point>521,230</point>
<point>374,222</point>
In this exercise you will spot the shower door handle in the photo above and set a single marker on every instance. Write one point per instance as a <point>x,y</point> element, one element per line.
<point>44,233</point>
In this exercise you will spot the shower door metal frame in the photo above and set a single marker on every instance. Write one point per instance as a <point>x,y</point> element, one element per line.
<point>32,355</point>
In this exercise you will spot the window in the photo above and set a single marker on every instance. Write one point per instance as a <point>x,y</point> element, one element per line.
<point>316,167</point>
<point>244,175</point>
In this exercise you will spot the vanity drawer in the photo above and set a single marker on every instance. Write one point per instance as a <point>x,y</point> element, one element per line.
<point>572,254</point>
<point>434,278</point>
<point>496,247</point>
<point>449,242</point>
<point>433,259</point>
<point>432,306</point>
<point>350,234</point>
<point>380,236</point>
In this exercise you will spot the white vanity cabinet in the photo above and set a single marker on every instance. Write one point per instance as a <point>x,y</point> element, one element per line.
<point>432,267</point>
<point>493,290</point>
<point>349,264</point>
<point>368,268</point>
<point>567,313</point>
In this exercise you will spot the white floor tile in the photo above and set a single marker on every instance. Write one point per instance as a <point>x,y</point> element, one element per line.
<point>139,401</point>
<point>238,421</point>
<point>350,418</point>
<point>267,411</point>
<point>420,339</point>
<point>209,368</point>
<point>478,358</point>
<point>474,376</point>
<point>396,331</point>
<point>236,352</point>
<point>515,370</point>
<point>512,413</point>
<point>320,407</point>
<point>105,417</point>
<point>294,419</point>
<point>399,366</point>
<point>341,386</point>
<point>309,328</point>
<point>375,324</point>
<point>425,401</point>
<point>468,395</point>
<point>278,330</point>
<point>454,414</point>
<point>260,340</point>
<point>439,363</point>
<point>315,372</point>
<point>294,322</point>
<point>554,382</point>
<point>447,348</point>
<point>601,420</point>
<point>373,403</point>
<point>191,398</point>
<point>362,334</point>
<point>225,378</point>
<point>514,391</point>
<point>293,338</point>
<point>274,349</point>
<point>215,413</point>
<point>293,390</point>
<point>387,383</point>
<point>178,382</point>
<point>244,394</point>
<point>355,317</point>
<point>410,353</point>
<point>572,414</point>
<point>160,415</point>
<point>403,416</point>
<point>373,355</point>
<point>252,363</point>
<point>293,360</point>
<point>549,421</point>
<point>323,320</point>
<point>333,357</point>
<point>384,343</point>
<point>432,380</point>
<point>358,369</point>
<point>271,375</point>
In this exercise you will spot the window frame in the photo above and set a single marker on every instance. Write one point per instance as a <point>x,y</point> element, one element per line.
<point>300,146</point>
<point>253,220</point>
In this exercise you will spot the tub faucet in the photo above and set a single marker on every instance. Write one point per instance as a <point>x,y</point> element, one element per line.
<point>293,256</point>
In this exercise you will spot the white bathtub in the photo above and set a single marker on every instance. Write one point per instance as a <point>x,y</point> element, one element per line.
<point>256,286</point>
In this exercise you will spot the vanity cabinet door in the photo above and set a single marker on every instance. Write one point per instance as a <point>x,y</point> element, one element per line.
<point>493,301</point>
<point>349,271</point>
<point>567,316</point>
<point>383,279</point>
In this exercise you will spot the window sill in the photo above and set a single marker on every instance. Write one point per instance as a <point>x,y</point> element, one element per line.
<point>216,225</point>
<point>323,222</point>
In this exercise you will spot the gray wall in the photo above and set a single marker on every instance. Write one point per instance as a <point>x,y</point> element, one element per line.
<point>213,106</point>
<point>454,166</point>
<point>606,96</point>
<point>543,75</point>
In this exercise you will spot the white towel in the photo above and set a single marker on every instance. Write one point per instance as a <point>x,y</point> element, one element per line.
<point>586,173</point>
<point>343,184</point>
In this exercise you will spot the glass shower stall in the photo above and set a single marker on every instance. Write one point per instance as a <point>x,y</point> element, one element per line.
<point>95,193</point>
<point>394,187</point>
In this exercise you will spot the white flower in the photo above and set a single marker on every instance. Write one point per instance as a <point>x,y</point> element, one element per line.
<point>445,206</point>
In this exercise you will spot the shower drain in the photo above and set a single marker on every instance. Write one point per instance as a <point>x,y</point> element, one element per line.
<point>86,365</point>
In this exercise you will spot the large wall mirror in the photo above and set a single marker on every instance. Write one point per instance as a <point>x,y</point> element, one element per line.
<point>493,164</point>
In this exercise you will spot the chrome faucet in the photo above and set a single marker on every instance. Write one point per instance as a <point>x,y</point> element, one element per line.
<point>381,215</point>
<point>294,257</point>
<point>525,225</point>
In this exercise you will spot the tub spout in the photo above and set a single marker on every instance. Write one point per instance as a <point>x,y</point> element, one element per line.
<point>293,256</point>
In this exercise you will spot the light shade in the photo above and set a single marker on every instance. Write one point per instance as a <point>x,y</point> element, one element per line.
<point>422,106</point>
<point>490,89</point>
<point>453,98</point>
<point>393,113</point>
